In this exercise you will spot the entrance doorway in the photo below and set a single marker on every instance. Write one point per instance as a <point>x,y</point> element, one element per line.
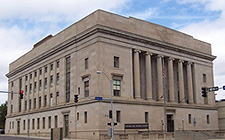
<point>66,125</point>
<point>18,127</point>
<point>170,123</point>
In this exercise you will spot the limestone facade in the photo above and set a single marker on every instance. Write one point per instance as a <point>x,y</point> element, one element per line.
<point>143,59</point>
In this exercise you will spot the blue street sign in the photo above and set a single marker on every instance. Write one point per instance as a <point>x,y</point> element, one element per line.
<point>223,87</point>
<point>98,98</point>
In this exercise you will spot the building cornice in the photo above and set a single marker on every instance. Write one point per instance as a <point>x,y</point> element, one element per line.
<point>116,101</point>
<point>109,31</point>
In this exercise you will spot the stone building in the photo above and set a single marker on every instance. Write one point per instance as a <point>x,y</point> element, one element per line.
<point>144,60</point>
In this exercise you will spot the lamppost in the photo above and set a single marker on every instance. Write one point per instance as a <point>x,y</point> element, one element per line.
<point>111,99</point>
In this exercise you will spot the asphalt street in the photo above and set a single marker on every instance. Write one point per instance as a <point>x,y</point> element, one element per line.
<point>4,137</point>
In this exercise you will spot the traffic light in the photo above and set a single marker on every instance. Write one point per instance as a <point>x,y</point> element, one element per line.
<point>110,113</point>
<point>21,94</point>
<point>75,98</point>
<point>204,92</point>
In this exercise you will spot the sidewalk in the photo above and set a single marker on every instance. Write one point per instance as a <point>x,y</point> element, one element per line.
<point>44,138</point>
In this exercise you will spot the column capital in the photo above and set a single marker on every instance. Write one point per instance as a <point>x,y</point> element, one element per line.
<point>160,56</point>
<point>137,51</point>
<point>189,63</point>
<point>148,53</point>
<point>181,61</point>
<point>171,59</point>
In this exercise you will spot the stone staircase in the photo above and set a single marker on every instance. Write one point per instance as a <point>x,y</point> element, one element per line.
<point>194,135</point>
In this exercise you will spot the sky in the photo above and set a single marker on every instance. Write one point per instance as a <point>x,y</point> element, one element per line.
<point>25,22</point>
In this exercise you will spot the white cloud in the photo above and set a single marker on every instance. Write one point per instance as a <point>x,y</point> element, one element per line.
<point>24,22</point>
<point>213,32</point>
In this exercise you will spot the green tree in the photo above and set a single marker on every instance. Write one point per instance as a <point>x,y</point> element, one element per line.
<point>3,113</point>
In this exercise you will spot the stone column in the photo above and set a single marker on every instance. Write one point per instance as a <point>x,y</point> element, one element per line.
<point>171,79</point>
<point>159,76</point>
<point>148,76</point>
<point>137,85</point>
<point>190,85</point>
<point>181,81</point>
<point>9,99</point>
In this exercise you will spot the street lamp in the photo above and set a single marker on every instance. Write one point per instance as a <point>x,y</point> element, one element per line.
<point>111,99</point>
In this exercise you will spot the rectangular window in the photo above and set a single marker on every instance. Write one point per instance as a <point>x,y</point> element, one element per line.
<point>46,83</point>
<point>189,118</point>
<point>24,124</point>
<point>35,87</point>
<point>12,84</point>
<point>78,116</point>
<point>35,103</point>
<point>116,62</point>
<point>207,118</point>
<point>26,90</point>
<point>57,64</point>
<point>146,117</point>
<point>57,78</point>
<point>40,85</point>
<point>78,90</point>
<point>39,102</point>
<point>118,119</point>
<point>30,76</point>
<point>28,124</point>
<point>51,67</point>
<point>86,88</point>
<point>33,123</point>
<point>204,78</point>
<point>46,69</point>
<point>51,99</point>
<point>45,100</point>
<point>30,104</point>
<point>25,105</point>
<point>51,80</point>
<point>86,63</point>
<point>116,87</point>
<point>38,123</point>
<point>43,123</point>
<point>85,117</point>
<point>57,97</point>
<point>35,74</point>
<point>49,122</point>
<point>26,77</point>
<point>30,88</point>
<point>40,71</point>
<point>56,121</point>
<point>12,96</point>
<point>67,79</point>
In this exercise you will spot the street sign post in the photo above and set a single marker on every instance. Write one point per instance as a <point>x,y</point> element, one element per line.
<point>211,89</point>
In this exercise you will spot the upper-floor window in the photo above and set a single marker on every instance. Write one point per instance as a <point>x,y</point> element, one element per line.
<point>57,78</point>
<point>116,62</point>
<point>86,63</point>
<point>45,83</point>
<point>51,99</point>
<point>12,84</point>
<point>85,117</point>
<point>57,97</point>
<point>46,69</point>
<point>40,71</point>
<point>57,64</point>
<point>30,76</point>
<point>45,100</point>
<point>86,88</point>
<point>35,86</point>
<point>116,87</point>
<point>12,95</point>
<point>35,102</point>
<point>204,78</point>
<point>51,66</point>
<point>207,118</point>
<point>118,117</point>
<point>30,88</point>
<point>26,77</point>
<point>40,85</point>
<point>146,117</point>
<point>51,80</point>
<point>35,74</point>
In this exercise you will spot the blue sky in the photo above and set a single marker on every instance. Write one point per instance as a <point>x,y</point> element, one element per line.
<point>25,22</point>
